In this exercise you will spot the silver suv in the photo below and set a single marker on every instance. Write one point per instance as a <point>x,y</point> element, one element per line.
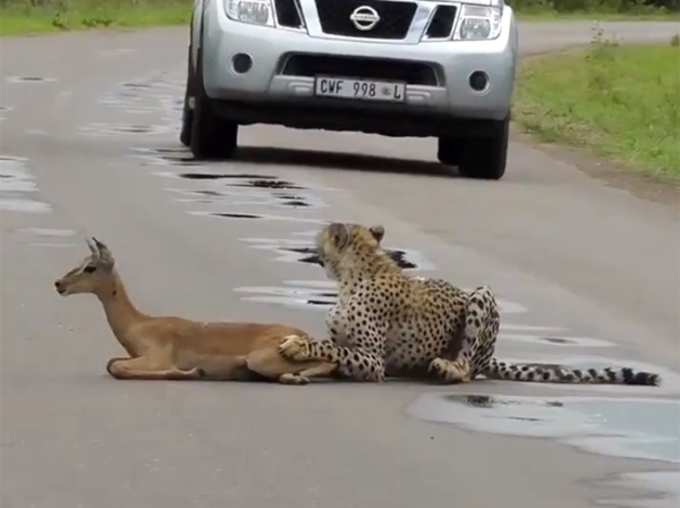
<point>393,67</point>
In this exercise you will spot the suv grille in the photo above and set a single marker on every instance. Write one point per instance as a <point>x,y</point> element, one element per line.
<point>412,73</point>
<point>442,22</point>
<point>287,13</point>
<point>395,18</point>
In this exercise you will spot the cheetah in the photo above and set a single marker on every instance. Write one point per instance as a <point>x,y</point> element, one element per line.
<point>387,323</point>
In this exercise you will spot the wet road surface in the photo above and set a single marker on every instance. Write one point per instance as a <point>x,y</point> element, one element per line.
<point>587,274</point>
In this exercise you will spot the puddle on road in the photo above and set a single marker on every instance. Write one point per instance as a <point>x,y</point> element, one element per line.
<point>136,85</point>
<point>169,156</point>
<point>300,250</point>
<point>16,186</point>
<point>52,245</point>
<point>135,129</point>
<point>29,79</point>
<point>244,190</point>
<point>154,95</point>
<point>269,184</point>
<point>49,237</point>
<point>208,198</point>
<point>295,293</point>
<point>309,255</point>
<point>3,112</point>
<point>116,52</point>
<point>633,428</point>
<point>248,198</point>
<point>515,327</point>
<point>254,181</point>
<point>296,296</point>
<point>113,129</point>
<point>242,194</point>
<point>49,232</point>
<point>23,205</point>
<point>664,484</point>
<point>275,218</point>
<point>237,215</point>
<point>556,340</point>
<point>220,176</point>
<point>14,176</point>
<point>36,132</point>
<point>637,428</point>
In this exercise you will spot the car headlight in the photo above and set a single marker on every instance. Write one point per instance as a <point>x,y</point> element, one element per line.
<point>479,23</point>
<point>256,12</point>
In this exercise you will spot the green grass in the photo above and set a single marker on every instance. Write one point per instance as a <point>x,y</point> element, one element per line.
<point>620,102</point>
<point>550,15</point>
<point>19,17</point>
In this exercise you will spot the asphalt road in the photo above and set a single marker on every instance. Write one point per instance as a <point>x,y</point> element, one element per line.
<point>91,148</point>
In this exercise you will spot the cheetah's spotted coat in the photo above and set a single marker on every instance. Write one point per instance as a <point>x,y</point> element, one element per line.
<point>388,323</point>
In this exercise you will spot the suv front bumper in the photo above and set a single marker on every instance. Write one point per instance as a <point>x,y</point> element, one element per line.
<point>271,92</point>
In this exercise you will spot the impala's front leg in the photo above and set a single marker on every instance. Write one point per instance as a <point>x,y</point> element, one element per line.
<point>360,364</point>
<point>147,368</point>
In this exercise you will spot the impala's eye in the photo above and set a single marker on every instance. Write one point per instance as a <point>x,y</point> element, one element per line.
<point>90,269</point>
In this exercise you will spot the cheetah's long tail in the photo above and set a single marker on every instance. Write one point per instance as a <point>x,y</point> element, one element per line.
<point>551,373</point>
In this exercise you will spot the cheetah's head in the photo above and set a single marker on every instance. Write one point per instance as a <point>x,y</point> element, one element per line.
<point>342,245</point>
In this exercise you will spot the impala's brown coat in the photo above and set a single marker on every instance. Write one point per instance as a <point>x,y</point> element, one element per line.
<point>177,348</point>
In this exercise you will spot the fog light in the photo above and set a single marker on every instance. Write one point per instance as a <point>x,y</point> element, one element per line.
<point>242,63</point>
<point>479,80</point>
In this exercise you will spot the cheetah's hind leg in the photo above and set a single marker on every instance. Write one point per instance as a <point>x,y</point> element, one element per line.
<point>479,340</point>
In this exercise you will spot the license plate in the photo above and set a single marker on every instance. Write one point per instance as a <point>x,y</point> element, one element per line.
<point>362,89</point>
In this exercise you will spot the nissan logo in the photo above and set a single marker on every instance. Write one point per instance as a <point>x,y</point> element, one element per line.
<point>364,18</point>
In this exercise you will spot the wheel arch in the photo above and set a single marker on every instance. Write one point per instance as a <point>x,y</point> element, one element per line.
<point>196,30</point>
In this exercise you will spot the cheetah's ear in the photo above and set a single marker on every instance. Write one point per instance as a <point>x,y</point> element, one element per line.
<point>378,233</point>
<point>339,234</point>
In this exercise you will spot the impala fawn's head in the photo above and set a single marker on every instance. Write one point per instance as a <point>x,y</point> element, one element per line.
<point>94,274</point>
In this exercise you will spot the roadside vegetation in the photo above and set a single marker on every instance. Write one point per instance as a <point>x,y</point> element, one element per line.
<point>621,102</point>
<point>36,16</point>
<point>561,10</point>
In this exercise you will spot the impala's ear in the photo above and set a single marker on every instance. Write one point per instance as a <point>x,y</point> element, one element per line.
<point>93,248</point>
<point>339,234</point>
<point>378,233</point>
<point>105,258</point>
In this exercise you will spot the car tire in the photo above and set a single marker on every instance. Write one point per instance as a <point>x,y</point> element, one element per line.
<point>187,113</point>
<point>482,158</point>
<point>212,136</point>
<point>450,150</point>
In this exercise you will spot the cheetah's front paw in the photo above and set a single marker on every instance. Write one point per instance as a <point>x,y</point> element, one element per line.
<point>449,371</point>
<point>295,348</point>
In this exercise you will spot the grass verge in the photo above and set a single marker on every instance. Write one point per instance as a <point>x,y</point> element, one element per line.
<point>551,15</point>
<point>622,103</point>
<point>21,17</point>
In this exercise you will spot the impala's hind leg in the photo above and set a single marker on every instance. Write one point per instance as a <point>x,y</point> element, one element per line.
<point>302,378</point>
<point>147,368</point>
<point>268,362</point>
<point>225,368</point>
